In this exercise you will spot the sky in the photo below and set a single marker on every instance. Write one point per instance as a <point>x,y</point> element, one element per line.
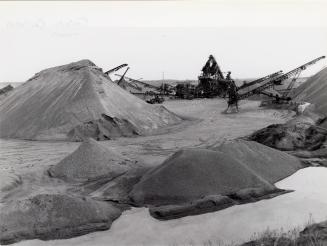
<point>170,39</point>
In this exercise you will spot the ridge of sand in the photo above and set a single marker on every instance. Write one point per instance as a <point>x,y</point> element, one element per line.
<point>74,101</point>
<point>271,164</point>
<point>90,161</point>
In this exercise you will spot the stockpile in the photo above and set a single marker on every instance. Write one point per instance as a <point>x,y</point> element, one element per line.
<point>191,174</point>
<point>54,216</point>
<point>300,133</point>
<point>201,180</point>
<point>91,161</point>
<point>75,101</point>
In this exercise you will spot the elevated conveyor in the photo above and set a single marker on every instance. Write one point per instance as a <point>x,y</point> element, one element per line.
<point>262,84</point>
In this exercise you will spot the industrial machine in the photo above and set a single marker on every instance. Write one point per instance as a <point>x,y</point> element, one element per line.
<point>150,93</point>
<point>156,99</point>
<point>115,69</point>
<point>212,82</point>
<point>187,91</point>
<point>259,86</point>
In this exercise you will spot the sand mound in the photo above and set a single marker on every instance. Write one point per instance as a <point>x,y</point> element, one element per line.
<point>189,175</point>
<point>74,101</point>
<point>54,216</point>
<point>300,133</point>
<point>90,161</point>
<point>273,165</point>
<point>314,90</point>
<point>197,181</point>
<point>290,136</point>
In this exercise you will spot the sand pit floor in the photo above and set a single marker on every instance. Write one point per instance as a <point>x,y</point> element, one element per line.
<point>206,126</point>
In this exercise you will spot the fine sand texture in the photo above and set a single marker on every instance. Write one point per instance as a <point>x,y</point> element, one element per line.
<point>271,164</point>
<point>192,174</point>
<point>54,216</point>
<point>75,101</point>
<point>302,132</point>
<point>290,137</point>
<point>91,161</point>
<point>196,181</point>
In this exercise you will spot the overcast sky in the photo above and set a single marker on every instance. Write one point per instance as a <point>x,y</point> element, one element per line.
<point>249,38</point>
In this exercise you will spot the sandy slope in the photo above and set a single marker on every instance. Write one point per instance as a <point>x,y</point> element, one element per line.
<point>90,161</point>
<point>57,100</point>
<point>197,181</point>
<point>52,216</point>
<point>271,164</point>
<point>314,90</point>
<point>193,174</point>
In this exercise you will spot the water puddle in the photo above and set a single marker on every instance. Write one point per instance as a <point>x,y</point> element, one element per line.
<point>235,224</point>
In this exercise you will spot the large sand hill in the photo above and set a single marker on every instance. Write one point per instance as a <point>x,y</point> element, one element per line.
<point>77,100</point>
